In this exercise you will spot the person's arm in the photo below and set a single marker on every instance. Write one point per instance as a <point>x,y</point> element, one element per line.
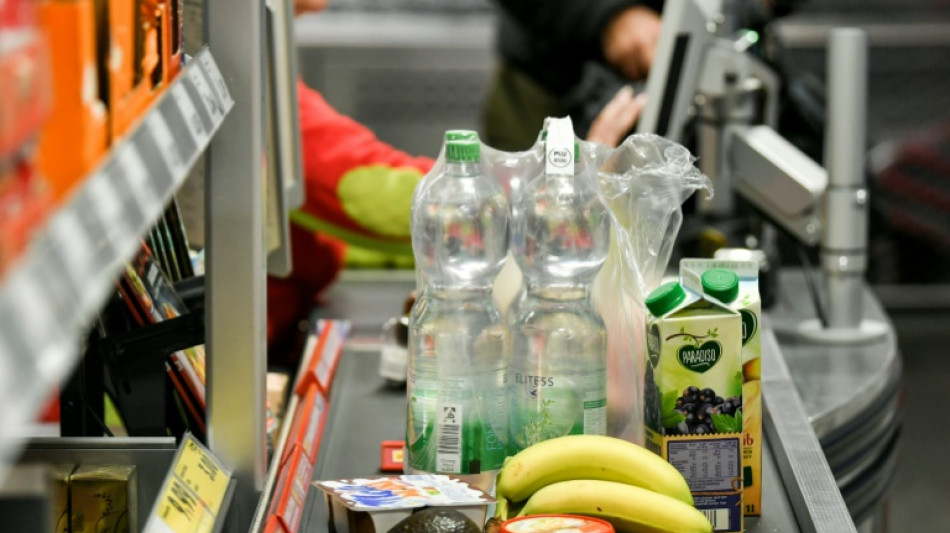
<point>354,181</point>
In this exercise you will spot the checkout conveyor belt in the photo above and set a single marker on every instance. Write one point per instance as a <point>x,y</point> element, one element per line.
<point>816,407</point>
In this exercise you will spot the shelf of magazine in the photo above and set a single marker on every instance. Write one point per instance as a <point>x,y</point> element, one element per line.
<point>51,296</point>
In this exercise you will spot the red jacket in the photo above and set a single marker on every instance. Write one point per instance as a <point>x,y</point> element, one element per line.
<point>356,188</point>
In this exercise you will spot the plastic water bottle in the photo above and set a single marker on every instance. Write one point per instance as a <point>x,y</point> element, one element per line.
<point>560,238</point>
<point>458,342</point>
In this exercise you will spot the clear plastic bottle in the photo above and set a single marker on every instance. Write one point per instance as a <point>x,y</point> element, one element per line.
<point>458,343</point>
<point>560,238</point>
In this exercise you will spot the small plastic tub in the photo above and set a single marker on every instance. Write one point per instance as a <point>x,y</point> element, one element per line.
<point>560,523</point>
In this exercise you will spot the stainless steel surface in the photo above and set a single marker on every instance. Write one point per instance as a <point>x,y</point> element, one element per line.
<point>851,395</point>
<point>394,29</point>
<point>808,480</point>
<point>235,273</point>
<point>837,384</point>
<point>285,78</point>
<point>811,31</point>
<point>152,457</point>
<point>407,77</point>
<point>778,178</point>
<point>844,231</point>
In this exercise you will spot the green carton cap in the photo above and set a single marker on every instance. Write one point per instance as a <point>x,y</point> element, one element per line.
<point>665,298</point>
<point>461,135</point>
<point>722,284</point>
<point>463,150</point>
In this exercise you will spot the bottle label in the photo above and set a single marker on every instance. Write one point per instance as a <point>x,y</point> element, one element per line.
<point>449,434</point>
<point>559,148</point>
<point>449,438</point>
<point>549,406</point>
<point>595,413</point>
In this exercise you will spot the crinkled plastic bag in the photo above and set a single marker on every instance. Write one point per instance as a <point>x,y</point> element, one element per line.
<point>643,182</point>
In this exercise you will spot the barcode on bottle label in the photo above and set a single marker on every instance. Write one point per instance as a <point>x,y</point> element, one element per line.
<point>449,431</point>
<point>719,518</point>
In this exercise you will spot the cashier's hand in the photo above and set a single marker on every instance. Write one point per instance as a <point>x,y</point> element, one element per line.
<point>617,118</point>
<point>629,41</point>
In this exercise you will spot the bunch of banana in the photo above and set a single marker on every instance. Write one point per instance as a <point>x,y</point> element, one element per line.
<point>631,487</point>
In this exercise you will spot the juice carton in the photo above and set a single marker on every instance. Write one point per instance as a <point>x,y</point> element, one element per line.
<point>749,306</point>
<point>693,391</point>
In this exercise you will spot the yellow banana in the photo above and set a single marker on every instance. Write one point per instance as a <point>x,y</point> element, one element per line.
<point>630,509</point>
<point>588,457</point>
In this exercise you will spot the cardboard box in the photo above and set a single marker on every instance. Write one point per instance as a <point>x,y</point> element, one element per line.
<point>369,505</point>
<point>103,498</point>
<point>749,306</point>
<point>59,497</point>
<point>693,395</point>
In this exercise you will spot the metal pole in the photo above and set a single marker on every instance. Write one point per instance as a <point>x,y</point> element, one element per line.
<point>235,290</point>
<point>845,209</point>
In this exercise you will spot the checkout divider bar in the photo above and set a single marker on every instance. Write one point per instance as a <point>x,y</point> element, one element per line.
<point>811,487</point>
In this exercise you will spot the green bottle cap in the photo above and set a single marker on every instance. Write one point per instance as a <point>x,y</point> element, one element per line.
<point>461,135</point>
<point>721,284</point>
<point>665,298</point>
<point>463,150</point>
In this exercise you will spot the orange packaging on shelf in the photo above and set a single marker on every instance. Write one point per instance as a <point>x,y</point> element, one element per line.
<point>24,203</point>
<point>24,82</point>
<point>75,135</point>
<point>133,60</point>
<point>290,497</point>
<point>172,40</point>
<point>307,428</point>
<point>322,363</point>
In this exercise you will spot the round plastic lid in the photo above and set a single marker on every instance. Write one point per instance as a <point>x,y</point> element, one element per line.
<point>665,298</point>
<point>722,284</point>
<point>461,135</point>
<point>556,522</point>
<point>463,150</point>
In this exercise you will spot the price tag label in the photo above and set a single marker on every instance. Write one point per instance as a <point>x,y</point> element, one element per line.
<point>202,474</point>
<point>182,511</point>
<point>135,173</point>
<point>214,75</point>
<point>192,118</point>
<point>35,314</point>
<point>208,98</point>
<point>193,493</point>
<point>67,234</point>
<point>167,146</point>
<point>106,205</point>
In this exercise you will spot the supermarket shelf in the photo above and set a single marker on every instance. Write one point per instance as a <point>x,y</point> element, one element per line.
<point>52,294</point>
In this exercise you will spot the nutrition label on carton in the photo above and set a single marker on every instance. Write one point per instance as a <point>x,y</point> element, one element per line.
<point>707,465</point>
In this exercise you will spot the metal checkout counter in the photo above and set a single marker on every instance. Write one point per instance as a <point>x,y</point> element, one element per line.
<point>831,387</point>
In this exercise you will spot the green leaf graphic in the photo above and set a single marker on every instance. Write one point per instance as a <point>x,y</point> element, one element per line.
<point>669,403</point>
<point>738,418</point>
<point>673,419</point>
<point>725,423</point>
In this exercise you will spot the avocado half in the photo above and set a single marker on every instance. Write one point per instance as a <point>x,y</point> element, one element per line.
<point>436,520</point>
